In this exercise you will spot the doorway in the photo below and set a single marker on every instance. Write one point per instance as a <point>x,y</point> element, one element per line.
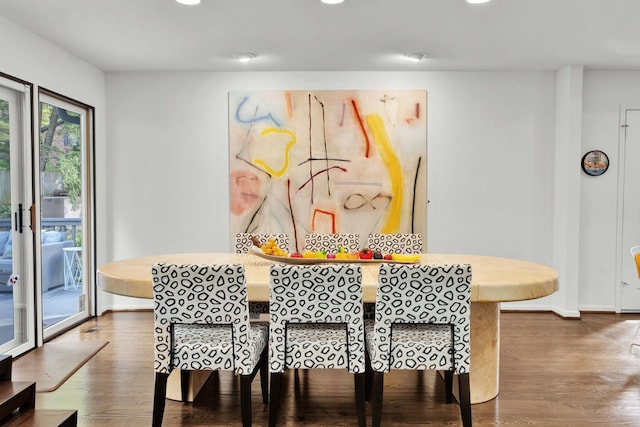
<point>65,252</point>
<point>17,311</point>
<point>629,300</point>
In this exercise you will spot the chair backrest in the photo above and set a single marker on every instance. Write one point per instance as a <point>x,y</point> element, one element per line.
<point>200,294</point>
<point>243,241</point>
<point>395,243</point>
<point>322,293</point>
<point>424,294</point>
<point>332,242</point>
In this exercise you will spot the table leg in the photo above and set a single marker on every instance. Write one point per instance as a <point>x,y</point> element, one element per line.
<point>485,352</point>
<point>174,391</point>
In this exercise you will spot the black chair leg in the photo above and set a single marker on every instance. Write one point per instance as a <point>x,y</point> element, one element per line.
<point>264,375</point>
<point>448,385</point>
<point>359,383</point>
<point>465,399</point>
<point>159,396</point>
<point>245,399</point>
<point>185,384</point>
<point>378,385</point>
<point>368,378</point>
<point>274,402</point>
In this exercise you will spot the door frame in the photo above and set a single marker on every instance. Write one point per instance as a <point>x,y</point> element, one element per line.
<point>621,252</point>
<point>88,212</point>
<point>22,187</point>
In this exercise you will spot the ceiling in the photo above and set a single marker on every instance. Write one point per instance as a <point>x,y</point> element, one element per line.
<point>357,35</point>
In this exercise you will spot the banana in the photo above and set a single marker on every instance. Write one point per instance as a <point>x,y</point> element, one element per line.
<point>405,257</point>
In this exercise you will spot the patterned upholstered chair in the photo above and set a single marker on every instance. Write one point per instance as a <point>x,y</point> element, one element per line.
<point>395,243</point>
<point>242,245</point>
<point>243,241</point>
<point>316,323</point>
<point>331,242</point>
<point>422,323</point>
<point>201,322</point>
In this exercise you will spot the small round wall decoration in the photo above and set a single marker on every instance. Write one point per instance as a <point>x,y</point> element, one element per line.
<point>595,163</point>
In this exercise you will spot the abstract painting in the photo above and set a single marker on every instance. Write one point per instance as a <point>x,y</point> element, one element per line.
<point>344,161</point>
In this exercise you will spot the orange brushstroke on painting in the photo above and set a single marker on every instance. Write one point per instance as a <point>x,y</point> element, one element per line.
<point>394,168</point>
<point>321,212</point>
<point>289,103</point>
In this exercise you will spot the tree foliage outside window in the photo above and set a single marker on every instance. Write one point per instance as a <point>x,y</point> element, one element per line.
<point>57,127</point>
<point>4,135</point>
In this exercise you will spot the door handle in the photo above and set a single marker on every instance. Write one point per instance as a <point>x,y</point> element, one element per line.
<point>18,219</point>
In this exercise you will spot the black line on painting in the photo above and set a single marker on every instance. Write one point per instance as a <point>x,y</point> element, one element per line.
<point>248,228</point>
<point>318,173</point>
<point>310,150</point>
<point>413,202</point>
<point>293,221</point>
<point>324,137</point>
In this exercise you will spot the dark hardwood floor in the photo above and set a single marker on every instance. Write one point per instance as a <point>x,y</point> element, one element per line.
<point>554,372</point>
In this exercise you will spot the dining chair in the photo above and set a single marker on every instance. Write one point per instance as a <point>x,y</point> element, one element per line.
<point>243,241</point>
<point>201,322</point>
<point>421,323</point>
<point>395,243</point>
<point>242,244</point>
<point>316,323</point>
<point>331,242</point>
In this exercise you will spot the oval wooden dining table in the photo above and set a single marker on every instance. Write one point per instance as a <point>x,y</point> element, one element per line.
<point>494,280</point>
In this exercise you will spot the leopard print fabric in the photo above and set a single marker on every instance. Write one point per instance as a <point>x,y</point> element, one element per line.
<point>423,312</point>
<point>205,308</point>
<point>243,241</point>
<point>316,317</point>
<point>331,242</point>
<point>395,243</point>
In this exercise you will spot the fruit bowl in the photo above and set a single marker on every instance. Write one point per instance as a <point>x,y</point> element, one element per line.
<point>288,260</point>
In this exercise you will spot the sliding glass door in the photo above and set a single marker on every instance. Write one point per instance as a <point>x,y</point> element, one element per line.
<point>17,310</point>
<point>65,210</point>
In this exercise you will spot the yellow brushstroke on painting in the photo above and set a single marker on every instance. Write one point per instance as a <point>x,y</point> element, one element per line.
<point>395,171</point>
<point>291,143</point>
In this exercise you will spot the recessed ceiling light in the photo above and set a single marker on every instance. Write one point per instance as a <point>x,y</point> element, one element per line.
<point>244,57</point>
<point>478,1</point>
<point>189,2</point>
<point>332,1</point>
<point>416,56</point>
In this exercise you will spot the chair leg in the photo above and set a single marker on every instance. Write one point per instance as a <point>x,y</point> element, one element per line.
<point>245,399</point>
<point>185,384</point>
<point>274,400</point>
<point>368,378</point>
<point>264,375</point>
<point>378,385</point>
<point>465,399</point>
<point>159,396</point>
<point>448,385</point>
<point>359,382</point>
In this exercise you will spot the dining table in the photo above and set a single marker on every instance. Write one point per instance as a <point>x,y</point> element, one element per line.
<point>494,280</point>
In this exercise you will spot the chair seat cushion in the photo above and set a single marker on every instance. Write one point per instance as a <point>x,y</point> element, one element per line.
<point>414,346</point>
<point>319,346</point>
<point>210,347</point>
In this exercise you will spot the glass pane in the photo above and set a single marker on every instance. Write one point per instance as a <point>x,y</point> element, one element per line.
<point>61,212</point>
<point>12,293</point>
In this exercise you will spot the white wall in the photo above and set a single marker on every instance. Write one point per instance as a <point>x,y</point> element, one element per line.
<point>604,93</point>
<point>162,182</point>
<point>490,159</point>
<point>35,60</point>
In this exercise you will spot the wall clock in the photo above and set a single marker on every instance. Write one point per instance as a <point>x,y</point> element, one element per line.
<point>595,163</point>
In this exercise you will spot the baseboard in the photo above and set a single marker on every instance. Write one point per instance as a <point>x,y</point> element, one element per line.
<point>565,314</point>
<point>124,309</point>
